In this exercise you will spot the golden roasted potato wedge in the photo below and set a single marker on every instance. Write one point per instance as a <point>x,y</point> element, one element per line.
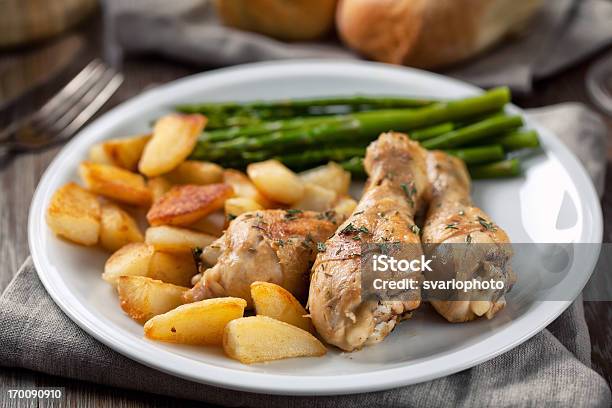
<point>116,183</point>
<point>185,204</point>
<point>244,187</point>
<point>344,206</point>
<point>213,224</point>
<point>196,172</point>
<point>74,214</point>
<point>97,154</point>
<point>316,198</point>
<point>331,176</point>
<point>276,182</point>
<point>260,338</point>
<point>158,186</point>
<point>240,205</point>
<point>174,137</point>
<point>278,303</point>
<point>124,153</point>
<point>177,268</point>
<point>199,323</point>
<point>117,228</point>
<point>131,260</point>
<point>172,239</point>
<point>142,298</point>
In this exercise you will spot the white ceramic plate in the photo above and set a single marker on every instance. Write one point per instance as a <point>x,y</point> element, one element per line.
<point>554,202</point>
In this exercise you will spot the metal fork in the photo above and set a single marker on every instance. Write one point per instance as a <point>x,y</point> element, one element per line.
<point>65,113</point>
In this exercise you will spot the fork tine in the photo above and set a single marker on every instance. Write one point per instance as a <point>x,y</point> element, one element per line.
<point>70,98</point>
<point>94,105</point>
<point>66,112</point>
<point>69,88</point>
<point>56,101</point>
<point>80,104</point>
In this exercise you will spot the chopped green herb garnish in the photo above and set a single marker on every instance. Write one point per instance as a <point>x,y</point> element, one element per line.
<point>415,229</point>
<point>197,256</point>
<point>383,247</point>
<point>349,229</point>
<point>410,191</point>
<point>452,225</point>
<point>468,239</point>
<point>308,241</point>
<point>292,213</point>
<point>321,246</point>
<point>486,224</point>
<point>387,247</point>
<point>231,217</point>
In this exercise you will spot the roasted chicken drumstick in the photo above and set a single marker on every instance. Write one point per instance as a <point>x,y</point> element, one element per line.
<point>395,191</point>
<point>277,246</point>
<point>477,248</point>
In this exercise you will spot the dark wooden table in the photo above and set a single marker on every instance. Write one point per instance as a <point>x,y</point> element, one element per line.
<point>19,177</point>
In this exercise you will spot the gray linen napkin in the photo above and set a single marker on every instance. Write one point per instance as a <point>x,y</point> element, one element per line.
<point>550,369</point>
<point>189,30</point>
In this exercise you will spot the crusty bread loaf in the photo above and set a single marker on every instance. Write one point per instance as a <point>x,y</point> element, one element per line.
<point>290,20</point>
<point>429,33</point>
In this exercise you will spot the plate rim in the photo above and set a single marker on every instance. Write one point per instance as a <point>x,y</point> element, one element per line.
<point>281,384</point>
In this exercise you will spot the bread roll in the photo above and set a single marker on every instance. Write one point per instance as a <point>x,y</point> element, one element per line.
<point>429,33</point>
<point>290,20</point>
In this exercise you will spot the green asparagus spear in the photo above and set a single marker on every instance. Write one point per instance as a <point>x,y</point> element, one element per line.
<point>354,165</point>
<point>460,123</point>
<point>222,121</point>
<point>266,127</point>
<point>281,140</point>
<point>315,157</point>
<point>471,155</point>
<point>406,120</point>
<point>505,168</point>
<point>263,128</point>
<point>224,115</point>
<point>374,102</point>
<point>492,126</point>
<point>479,154</point>
<point>519,140</point>
<point>432,131</point>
